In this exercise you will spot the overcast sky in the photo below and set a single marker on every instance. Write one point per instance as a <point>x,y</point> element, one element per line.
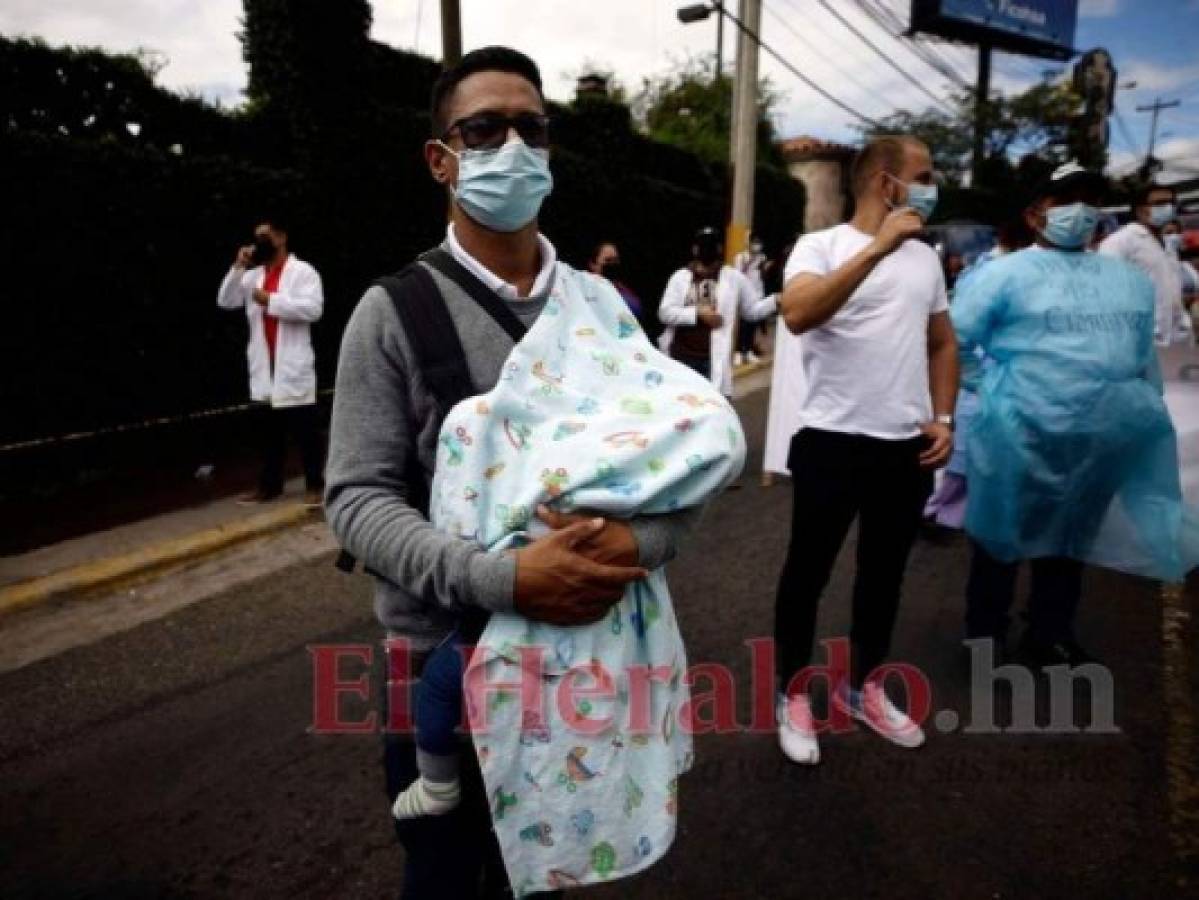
<point>1154,43</point>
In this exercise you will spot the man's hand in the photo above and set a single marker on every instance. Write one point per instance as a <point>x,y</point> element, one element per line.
<point>940,446</point>
<point>261,297</point>
<point>245,256</point>
<point>614,545</point>
<point>897,227</point>
<point>557,583</point>
<point>711,318</point>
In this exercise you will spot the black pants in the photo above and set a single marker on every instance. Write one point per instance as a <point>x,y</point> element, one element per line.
<point>1052,602</point>
<point>453,856</point>
<point>746,332</point>
<point>303,424</point>
<point>837,478</point>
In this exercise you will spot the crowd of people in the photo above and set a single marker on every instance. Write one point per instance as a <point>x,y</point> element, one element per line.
<point>514,462</point>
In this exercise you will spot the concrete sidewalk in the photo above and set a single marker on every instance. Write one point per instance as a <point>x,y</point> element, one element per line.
<point>118,556</point>
<point>129,553</point>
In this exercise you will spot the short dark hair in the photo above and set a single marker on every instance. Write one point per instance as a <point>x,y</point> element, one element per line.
<point>277,219</point>
<point>883,153</point>
<point>485,59</point>
<point>1141,196</point>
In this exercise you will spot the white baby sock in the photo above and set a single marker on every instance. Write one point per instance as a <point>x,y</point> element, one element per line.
<point>426,798</point>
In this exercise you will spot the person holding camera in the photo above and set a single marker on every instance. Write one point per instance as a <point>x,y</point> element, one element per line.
<point>282,296</point>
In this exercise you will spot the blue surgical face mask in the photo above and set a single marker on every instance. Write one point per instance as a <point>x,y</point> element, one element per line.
<point>503,189</point>
<point>1173,242</point>
<point>921,197</point>
<point>1161,213</point>
<point>1070,227</point>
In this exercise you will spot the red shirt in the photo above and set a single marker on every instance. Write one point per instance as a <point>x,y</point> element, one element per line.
<point>270,324</point>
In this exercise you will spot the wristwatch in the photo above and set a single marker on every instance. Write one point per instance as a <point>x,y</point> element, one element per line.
<point>945,419</point>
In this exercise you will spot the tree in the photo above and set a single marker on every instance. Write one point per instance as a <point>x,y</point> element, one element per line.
<point>691,108</point>
<point>85,93</point>
<point>1037,124</point>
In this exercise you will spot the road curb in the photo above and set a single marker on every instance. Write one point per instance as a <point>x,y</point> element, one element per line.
<point>90,576</point>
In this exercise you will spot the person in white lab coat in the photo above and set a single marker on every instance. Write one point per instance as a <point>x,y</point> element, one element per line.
<point>1140,242</point>
<point>282,296</point>
<point>788,385</point>
<point>700,307</point>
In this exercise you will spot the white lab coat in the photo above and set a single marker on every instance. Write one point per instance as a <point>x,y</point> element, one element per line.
<point>734,294</point>
<point>296,304</point>
<point>788,389</point>
<point>1134,243</point>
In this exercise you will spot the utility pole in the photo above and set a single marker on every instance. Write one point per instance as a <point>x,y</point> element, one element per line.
<point>451,33</point>
<point>719,4</point>
<point>745,123</point>
<point>1155,107</point>
<point>981,91</point>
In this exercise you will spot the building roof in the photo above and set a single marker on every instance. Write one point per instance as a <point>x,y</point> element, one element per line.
<point>798,149</point>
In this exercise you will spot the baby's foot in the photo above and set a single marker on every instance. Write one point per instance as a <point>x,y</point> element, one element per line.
<point>426,798</point>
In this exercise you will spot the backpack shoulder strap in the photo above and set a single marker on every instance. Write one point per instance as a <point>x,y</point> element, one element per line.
<point>444,263</point>
<point>439,356</point>
<point>431,333</point>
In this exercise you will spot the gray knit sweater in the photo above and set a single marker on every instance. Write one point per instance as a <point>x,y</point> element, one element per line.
<point>383,413</point>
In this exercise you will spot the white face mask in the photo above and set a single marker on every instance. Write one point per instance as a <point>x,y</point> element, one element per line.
<point>920,197</point>
<point>502,189</point>
<point>1160,214</point>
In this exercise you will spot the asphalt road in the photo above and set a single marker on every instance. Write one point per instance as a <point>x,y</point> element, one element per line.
<point>175,759</point>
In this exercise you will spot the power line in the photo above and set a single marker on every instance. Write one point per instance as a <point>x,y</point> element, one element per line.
<point>786,64</point>
<point>1156,107</point>
<point>815,48</point>
<point>939,50</point>
<point>894,65</point>
<point>885,24</point>
<point>1126,133</point>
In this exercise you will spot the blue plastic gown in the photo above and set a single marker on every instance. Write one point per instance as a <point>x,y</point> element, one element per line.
<point>1071,452</point>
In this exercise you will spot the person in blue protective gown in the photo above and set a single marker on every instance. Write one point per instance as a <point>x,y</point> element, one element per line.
<point>1072,457</point>
<point>946,508</point>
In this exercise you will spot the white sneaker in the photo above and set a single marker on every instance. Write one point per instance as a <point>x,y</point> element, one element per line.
<point>738,359</point>
<point>797,731</point>
<point>872,707</point>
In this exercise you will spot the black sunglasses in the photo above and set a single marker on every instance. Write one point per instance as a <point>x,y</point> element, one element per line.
<point>487,131</point>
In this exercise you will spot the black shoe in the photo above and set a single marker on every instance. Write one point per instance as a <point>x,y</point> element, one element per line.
<point>1066,652</point>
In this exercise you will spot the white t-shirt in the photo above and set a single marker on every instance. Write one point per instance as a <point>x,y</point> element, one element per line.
<point>867,366</point>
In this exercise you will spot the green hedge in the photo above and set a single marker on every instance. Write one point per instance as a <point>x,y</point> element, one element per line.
<point>116,244</point>
<point>114,258</point>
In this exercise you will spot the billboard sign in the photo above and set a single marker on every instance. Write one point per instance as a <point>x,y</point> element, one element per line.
<point>1042,28</point>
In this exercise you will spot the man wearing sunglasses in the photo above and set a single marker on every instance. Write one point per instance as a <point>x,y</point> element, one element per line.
<point>493,274</point>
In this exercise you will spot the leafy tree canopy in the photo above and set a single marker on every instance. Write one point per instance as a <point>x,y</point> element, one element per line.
<point>690,107</point>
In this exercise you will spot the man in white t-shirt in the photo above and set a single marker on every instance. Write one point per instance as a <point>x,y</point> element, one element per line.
<point>881,363</point>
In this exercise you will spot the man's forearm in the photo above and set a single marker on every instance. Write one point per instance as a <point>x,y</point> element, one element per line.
<point>397,541</point>
<point>809,303</point>
<point>943,376</point>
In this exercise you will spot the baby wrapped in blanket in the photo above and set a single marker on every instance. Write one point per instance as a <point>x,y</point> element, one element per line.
<point>581,766</point>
